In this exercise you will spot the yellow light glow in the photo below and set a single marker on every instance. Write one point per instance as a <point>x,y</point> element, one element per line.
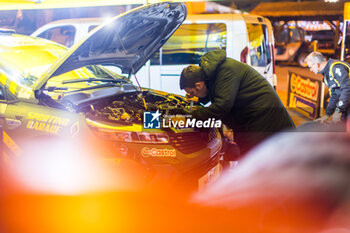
<point>63,167</point>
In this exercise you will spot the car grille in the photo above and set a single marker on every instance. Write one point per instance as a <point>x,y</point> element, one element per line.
<point>190,142</point>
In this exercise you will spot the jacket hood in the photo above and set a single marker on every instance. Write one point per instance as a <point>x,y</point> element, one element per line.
<point>211,60</point>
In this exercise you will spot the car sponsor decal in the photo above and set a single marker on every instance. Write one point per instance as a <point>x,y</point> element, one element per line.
<point>155,152</point>
<point>46,123</point>
<point>304,86</point>
<point>48,118</point>
<point>304,95</point>
<point>44,127</point>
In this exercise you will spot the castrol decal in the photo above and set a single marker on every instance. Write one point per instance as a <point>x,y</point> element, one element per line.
<point>155,152</point>
<point>304,87</point>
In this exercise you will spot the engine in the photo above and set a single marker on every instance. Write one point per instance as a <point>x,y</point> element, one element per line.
<point>128,108</point>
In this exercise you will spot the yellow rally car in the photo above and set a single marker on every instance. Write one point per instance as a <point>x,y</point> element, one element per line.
<point>47,90</point>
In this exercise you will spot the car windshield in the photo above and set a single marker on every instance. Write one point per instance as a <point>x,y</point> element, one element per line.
<point>80,78</point>
<point>26,65</point>
<point>25,60</point>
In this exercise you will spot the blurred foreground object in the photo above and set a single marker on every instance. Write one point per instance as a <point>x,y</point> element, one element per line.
<point>294,182</point>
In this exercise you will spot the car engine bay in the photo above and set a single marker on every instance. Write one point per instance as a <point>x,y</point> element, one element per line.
<point>127,108</point>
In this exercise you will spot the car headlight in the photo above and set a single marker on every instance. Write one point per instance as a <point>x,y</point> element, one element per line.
<point>136,137</point>
<point>113,133</point>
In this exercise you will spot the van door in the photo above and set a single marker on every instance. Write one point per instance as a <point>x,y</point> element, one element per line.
<point>63,34</point>
<point>260,50</point>
<point>184,47</point>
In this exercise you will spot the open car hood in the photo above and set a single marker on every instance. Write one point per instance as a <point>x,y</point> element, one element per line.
<point>126,41</point>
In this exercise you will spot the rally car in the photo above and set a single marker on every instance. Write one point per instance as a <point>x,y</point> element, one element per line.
<point>47,90</point>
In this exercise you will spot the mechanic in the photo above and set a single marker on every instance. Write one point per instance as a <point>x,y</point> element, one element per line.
<point>239,96</point>
<point>336,77</point>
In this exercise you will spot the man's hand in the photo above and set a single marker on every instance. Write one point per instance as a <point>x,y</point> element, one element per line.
<point>322,119</point>
<point>189,98</point>
<point>336,117</point>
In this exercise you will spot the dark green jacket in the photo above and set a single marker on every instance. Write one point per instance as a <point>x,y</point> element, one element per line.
<point>242,99</point>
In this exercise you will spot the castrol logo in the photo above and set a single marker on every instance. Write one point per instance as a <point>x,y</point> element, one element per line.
<point>304,87</point>
<point>155,152</point>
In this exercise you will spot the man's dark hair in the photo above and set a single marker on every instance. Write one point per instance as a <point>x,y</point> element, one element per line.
<point>190,76</point>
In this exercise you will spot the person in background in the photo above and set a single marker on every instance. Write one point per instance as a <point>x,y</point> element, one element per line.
<point>240,97</point>
<point>336,77</point>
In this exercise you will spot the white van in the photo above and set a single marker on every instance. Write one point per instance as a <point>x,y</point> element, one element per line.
<point>246,38</point>
<point>67,31</point>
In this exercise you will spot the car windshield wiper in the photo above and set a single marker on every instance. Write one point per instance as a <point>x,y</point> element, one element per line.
<point>53,88</point>
<point>107,80</point>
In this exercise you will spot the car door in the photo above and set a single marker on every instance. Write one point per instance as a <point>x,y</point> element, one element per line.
<point>259,44</point>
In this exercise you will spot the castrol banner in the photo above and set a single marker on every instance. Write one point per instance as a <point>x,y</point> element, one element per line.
<point>304,95</point>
